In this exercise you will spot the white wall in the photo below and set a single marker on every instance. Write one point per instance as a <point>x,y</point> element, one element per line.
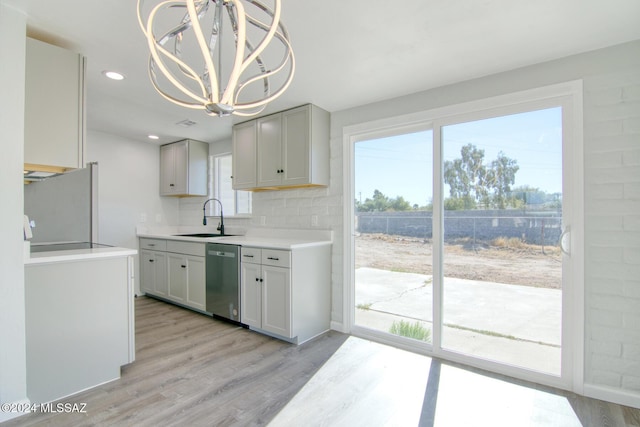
<point>12,310</point>
<point>128,190</point>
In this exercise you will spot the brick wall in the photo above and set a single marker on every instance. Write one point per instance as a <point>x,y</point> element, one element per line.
<point>612,229</point>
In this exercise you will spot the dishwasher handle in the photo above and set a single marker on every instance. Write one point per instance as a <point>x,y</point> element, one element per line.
<point>222,254</point>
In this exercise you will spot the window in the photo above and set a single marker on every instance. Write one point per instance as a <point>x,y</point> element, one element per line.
<point>235,202</point>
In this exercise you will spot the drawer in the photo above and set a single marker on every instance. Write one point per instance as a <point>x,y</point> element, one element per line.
<point>186,248</point>
<point>153,244</point>
<point>252,255</point>
<point>277,258</point>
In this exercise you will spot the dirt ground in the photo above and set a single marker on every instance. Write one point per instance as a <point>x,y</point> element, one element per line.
<point>499,261</point>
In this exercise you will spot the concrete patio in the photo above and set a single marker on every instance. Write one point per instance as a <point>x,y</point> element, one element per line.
<point>513,324</point>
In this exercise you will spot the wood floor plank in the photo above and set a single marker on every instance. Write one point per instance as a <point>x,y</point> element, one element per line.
<point>196,371</point>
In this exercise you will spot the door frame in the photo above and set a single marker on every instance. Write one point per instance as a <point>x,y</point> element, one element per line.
<point>569,96</point>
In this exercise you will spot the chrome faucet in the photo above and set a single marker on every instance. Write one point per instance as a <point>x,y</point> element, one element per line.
<point>204,215</point>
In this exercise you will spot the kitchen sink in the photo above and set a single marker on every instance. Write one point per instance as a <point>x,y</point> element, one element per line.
<point>203,235</point>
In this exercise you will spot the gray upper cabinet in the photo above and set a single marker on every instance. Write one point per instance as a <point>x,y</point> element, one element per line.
<point>283,150</point>
<point>54,107</point>
<point>244,155</point>
<point>183,168</point>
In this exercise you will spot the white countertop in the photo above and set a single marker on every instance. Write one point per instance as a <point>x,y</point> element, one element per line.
<point>271,238</point>
<point>77,254</point>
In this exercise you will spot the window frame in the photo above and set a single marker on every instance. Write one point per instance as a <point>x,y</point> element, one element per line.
<point>215,190</point>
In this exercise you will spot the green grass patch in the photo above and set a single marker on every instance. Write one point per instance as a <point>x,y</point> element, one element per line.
<point>410,330</point>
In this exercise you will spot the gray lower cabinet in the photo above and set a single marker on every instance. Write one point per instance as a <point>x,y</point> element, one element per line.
<point>266,291</point>
<point>285,293</point>
<point>174,271</point>
<point>187,280</point>
<point>153,267</point>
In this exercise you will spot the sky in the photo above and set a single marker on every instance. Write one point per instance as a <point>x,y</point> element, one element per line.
<point>402,165</point>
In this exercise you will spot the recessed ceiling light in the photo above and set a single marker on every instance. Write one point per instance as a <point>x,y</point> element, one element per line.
<point>113,75</point>
<point>153,136</point>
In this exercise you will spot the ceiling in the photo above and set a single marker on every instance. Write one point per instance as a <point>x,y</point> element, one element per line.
<point>348,53</point>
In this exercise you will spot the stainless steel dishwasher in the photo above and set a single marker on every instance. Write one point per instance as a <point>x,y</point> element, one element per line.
<point>223,281</point>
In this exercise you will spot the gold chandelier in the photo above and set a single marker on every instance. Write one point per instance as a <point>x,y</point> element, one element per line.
<point>233,78</point>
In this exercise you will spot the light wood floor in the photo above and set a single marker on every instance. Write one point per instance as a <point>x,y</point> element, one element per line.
<point>193,371</point>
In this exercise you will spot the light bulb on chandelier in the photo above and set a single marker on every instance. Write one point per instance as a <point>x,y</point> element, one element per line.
<point>187,35</point>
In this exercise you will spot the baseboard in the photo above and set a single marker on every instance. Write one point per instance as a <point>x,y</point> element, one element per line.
<point>614,395</point>
<point>8,415</point>
<point>338,326</point>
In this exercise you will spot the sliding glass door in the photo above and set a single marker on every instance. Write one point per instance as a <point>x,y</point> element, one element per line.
<point>502,263</point>
<point>393,235</point>
<point>466,234</point>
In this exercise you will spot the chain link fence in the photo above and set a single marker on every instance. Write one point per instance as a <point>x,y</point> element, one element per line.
<point>540,228</point>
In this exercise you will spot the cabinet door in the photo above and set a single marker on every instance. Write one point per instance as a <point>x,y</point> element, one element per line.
<point>147,272</point>
<point>177,277</point>
<point>181,167</point>
<point>296,142</point>
<point>270,150</point>
<point>244,156</point>
<point>174,169</point>
<point>276,300</point>
<point>153,273</point>
<point>251,295</point>
<point>196,286</point>
<point>54,93</point>
<point>167,170</point>
<point>161,284</point>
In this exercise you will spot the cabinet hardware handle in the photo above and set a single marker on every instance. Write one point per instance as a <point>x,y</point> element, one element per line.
<point>563,248</point>
<point>261,280</point>
<point>248,256</point>
<point>183,266</point>
<point>257,280</point>
<point>150,260</point>
<point>171,185</point>
<point>273,258</point>
<point>152,245</point>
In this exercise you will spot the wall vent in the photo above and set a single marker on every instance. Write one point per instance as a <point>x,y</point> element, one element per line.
<point>186,123</point>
